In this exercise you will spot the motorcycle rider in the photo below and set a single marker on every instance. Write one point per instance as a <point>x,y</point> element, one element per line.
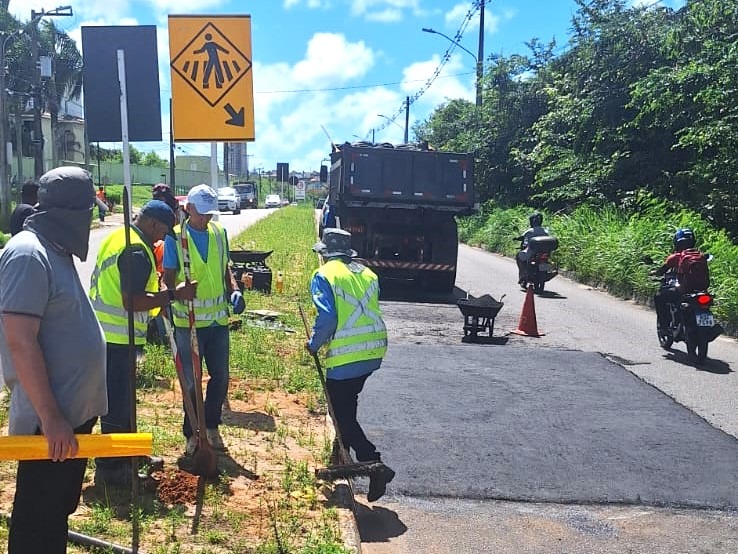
<point>669,292</point>
<point>536,229</point>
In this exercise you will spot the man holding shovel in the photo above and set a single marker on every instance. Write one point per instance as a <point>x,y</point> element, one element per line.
<point>53,357</point>
<point>109,284</point>
<point>207,261</point>
<point>349,321</point>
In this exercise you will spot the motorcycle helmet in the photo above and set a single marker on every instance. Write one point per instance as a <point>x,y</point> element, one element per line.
<point>536,219</point>
<point>684,239</point>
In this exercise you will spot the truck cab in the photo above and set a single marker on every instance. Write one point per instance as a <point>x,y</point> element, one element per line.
<point>249,194</point>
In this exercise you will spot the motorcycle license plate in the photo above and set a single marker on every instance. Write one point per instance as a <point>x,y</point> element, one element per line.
<point>705,320</point>
<point>544,267</point>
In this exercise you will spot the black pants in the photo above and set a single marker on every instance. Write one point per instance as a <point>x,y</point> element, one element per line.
<point>344,395</point>
<point>46,494</point>
<point>661,300</point>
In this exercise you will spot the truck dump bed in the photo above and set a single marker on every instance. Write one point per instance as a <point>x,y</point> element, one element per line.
<point>383,176</point>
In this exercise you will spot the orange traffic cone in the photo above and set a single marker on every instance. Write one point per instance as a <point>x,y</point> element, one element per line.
<point>527,325</point>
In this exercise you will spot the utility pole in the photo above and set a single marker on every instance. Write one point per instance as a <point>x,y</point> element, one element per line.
<point>407,116</point>
<point>226,164</point>
<point>480,56</point>
<point>4,180</point>
<point>38,134</point>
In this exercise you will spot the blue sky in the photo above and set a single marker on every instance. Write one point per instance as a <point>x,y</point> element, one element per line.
<point>338,63</point>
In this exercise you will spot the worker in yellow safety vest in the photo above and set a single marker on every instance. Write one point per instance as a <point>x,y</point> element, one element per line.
<point>217,289</point>
<point>111,280</point>
<point>349,322</point>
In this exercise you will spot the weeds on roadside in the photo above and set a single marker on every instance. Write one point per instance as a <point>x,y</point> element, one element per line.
<point>606,246</point>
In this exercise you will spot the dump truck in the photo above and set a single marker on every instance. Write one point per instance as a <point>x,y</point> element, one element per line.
<point>399,203</point>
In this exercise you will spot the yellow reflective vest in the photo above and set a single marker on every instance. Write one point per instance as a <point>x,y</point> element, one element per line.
<point>211,302</point>
<point>106,294</point>
<point>360,333</point>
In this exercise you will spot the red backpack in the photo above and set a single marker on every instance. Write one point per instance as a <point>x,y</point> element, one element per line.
<point>692,271</point>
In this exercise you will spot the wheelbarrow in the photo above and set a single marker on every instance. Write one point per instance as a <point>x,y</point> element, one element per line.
<point>479,317</point>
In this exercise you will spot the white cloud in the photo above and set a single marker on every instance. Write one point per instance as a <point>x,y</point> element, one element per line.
<point>388,15</point>
<point>331,59</point>
<point>311,4</point>
<point>456,15</point>
<point>378,10</point>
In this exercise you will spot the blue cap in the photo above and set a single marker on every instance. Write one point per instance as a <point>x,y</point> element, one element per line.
<point>156,209</point>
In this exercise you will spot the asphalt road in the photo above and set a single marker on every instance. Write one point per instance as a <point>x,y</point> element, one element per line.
<point>590,438</point>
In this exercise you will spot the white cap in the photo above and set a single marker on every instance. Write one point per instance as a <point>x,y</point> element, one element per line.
<point>204,198</point>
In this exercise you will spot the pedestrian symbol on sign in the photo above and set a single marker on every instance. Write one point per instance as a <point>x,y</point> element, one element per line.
<point>211,64</point>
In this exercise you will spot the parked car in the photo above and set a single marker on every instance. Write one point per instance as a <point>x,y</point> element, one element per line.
<point>228,200</point>
<point>272,201</point>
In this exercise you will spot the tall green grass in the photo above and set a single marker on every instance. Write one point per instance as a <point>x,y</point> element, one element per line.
<point>607,246</point>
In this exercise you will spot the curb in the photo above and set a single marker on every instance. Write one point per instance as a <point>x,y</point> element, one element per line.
<point>343,498</point>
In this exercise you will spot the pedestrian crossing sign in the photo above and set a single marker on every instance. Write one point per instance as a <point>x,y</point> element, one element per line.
<point>212,81</point>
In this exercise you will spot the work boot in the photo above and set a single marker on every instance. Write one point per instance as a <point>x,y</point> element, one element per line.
<point>378,483</point>
<point>215,440</point>
<point>191,445</point>
<point>113,476</point>
<point>151,463</point>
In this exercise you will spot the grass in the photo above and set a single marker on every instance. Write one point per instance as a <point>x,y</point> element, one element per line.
<point>266,499</point>
<point>606,246</point>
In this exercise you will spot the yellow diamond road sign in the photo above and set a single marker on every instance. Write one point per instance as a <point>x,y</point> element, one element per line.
<point>212,81</point>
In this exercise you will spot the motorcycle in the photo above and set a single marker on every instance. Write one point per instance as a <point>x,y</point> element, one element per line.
<point>691,321</point>
<point>534,262</point>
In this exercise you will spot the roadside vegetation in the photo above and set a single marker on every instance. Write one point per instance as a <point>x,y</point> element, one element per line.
<point>266,499</point>
<point>608,246</point>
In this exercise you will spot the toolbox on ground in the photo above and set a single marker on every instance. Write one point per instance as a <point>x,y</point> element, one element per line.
<point>250,270</point>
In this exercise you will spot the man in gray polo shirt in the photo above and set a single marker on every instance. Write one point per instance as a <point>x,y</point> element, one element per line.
<point>53,356</point>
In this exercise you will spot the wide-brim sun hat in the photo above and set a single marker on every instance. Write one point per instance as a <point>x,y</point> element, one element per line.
<point>335,242</point>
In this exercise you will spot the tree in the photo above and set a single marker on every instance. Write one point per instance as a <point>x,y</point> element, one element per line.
<point>66,80</point>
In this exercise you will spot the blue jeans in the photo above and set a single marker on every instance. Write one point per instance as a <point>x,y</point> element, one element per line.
<point>118,418</point>
<point>214,345</point>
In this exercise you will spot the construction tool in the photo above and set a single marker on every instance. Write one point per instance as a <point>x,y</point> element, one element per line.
<point>203,458</point>
<point>111,445</point>
<point>346,467</point>
<point>207,459</point>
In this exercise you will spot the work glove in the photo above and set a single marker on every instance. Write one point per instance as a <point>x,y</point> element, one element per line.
<point>237,302</point>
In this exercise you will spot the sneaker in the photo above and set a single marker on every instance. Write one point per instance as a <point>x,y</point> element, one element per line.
<point>215,440</point>
<point>191,445</point>
<point>378,483</point>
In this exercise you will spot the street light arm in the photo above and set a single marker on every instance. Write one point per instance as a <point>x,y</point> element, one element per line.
<point>434,32</point>
<point>391,121</point>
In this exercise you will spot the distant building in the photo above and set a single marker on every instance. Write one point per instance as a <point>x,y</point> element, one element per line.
<point>238,160</point>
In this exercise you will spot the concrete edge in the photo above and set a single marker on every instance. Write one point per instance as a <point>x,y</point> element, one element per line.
<point>343,500</point>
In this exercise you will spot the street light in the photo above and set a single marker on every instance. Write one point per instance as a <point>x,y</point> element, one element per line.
<point>477,61</point>
<point>362,138</point>
<point>404,130</point>
<point>392,121</point>
<point>4,181</point>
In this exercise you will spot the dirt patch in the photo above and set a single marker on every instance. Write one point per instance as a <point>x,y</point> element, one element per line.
<point>274,444</point>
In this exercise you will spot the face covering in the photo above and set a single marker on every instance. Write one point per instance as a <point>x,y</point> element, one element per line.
<point>69,229</point>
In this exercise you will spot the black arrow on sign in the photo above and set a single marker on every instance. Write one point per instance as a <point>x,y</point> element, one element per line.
<point>236,116</point>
